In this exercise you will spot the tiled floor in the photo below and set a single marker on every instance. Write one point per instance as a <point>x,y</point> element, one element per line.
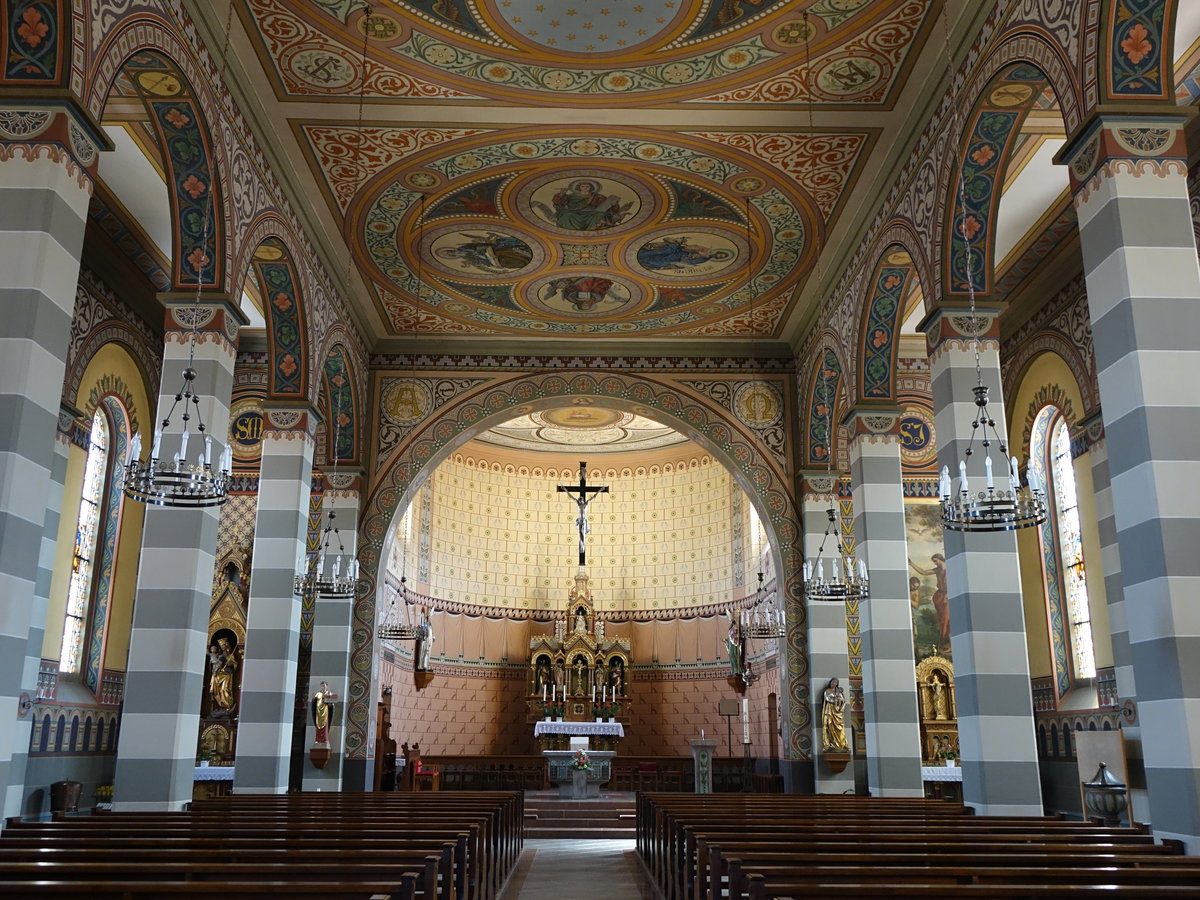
<point>582,870</point>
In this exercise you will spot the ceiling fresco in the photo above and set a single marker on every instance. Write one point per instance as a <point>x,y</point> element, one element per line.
<point>596,52</point>
<point>584,429</point>
<point>610,232</point>
<point>574,169</point>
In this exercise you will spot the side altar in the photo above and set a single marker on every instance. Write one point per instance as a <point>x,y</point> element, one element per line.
<point>577,675</point>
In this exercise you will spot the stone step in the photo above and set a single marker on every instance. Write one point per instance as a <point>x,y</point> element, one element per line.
<point>582,809</point>
<point>593,833</point>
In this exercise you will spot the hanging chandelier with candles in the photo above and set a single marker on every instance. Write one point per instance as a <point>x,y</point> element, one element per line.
<point>989,508</point>
<point>327,575</point>
<point>764,620</point>
<point>181,482</point>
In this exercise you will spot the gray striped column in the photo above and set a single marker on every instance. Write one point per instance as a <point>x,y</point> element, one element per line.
<point>268,697</point>
<point>1143,286</point>
<point>44,193</point>
<point>885,618</point>
<point>18,792</point>
<point>331,636</point>
<point>828,656</point>
<point>1114,592</point>
<point>987,620</point>
<point>160,718</point>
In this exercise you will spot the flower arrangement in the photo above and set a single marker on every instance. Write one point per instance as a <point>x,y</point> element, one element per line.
<point>580,762</point>
<point>554,711</point>
<point>104,793</point>
<point>606,711</point>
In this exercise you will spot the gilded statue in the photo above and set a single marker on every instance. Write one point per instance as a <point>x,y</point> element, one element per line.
<point>321,708</point>
<point>222,681</point>
<point>833,717</point>
<point>937,698</point>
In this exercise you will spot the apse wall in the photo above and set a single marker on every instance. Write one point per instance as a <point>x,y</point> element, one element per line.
<point>477,703</point>
<point>673,532</point>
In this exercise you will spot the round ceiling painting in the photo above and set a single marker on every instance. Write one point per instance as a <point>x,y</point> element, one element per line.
<point>512,237</point>
<point>587,429</point>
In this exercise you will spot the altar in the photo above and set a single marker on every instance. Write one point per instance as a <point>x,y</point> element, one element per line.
<point>558,767</point>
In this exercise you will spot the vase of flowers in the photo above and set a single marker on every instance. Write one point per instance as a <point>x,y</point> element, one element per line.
<point>580,765</point>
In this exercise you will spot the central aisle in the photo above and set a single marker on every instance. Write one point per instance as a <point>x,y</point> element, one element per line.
<point>550,869</point>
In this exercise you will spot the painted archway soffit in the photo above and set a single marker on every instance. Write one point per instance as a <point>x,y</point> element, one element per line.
<point>587,52</point>
<point>614,232</point>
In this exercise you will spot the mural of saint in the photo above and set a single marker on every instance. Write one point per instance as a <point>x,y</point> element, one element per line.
<point>489,252</point>
<point>676,253</point>
<point>928,590</point>
<point>582,205</point>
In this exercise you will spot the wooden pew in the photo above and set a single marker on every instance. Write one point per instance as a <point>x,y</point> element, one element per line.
<point>459,851</point>
<point>755,848</point>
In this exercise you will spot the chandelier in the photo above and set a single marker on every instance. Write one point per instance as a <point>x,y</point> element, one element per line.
<point>331,576</point>
<point>763,620</point>
<point>396,625</point>
<point>992,508</point>
<point>180,482</point>
<point>846,577</point>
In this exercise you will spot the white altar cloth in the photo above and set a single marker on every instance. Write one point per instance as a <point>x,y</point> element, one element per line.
<point>213,773</point>
<point>941,773</point>
<point>598,729</point>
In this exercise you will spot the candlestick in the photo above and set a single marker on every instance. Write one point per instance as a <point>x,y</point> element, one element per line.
<point>745,721</point>
<point>543,693</point>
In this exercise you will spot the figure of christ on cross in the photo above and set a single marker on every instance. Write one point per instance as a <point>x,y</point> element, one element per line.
<point>586,495</point>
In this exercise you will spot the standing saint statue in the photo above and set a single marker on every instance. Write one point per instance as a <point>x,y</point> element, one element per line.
<point>221,683</point>
<point>833,717</point>
<point>321,709</point>
<point>735,644</point>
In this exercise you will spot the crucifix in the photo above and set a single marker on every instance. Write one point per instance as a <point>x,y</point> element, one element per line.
<point>586,495</point>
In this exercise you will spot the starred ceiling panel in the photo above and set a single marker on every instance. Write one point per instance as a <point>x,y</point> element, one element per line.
<point>610,233</point>
<point>596,52</point>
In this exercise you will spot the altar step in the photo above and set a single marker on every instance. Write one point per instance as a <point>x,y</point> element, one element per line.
<point>585,819</point>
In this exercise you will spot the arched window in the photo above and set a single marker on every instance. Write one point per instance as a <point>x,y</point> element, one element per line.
<point>1062,551</point>
<point>91,509</point>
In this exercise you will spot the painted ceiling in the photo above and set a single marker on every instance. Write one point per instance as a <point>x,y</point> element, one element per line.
<point>586,429</point>
<point>584,168</point>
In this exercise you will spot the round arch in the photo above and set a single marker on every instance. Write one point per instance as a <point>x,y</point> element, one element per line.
<point>883,314</point>
<point>711,427</point>
<point>824,387</point>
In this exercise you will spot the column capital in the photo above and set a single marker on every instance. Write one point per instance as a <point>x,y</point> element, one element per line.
<point>57,128</point>
<point>1112,140</point>
<point>344,482</point>
<point>815,482</point>
<point>214,315</point>
<point>873,423</point>
<point>955,328</point>
<point>283,420</point>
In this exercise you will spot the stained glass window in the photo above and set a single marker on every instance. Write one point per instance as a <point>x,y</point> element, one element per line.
<point>95,474</point>
<point>1066,581</point>
<point>1070,550</point>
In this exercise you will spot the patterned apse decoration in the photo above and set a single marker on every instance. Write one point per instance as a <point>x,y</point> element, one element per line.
<point>196,202</point>
<point>592,53</point>
<point>425,447</point>
<point>994,126</point>
<point>644,234</point>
